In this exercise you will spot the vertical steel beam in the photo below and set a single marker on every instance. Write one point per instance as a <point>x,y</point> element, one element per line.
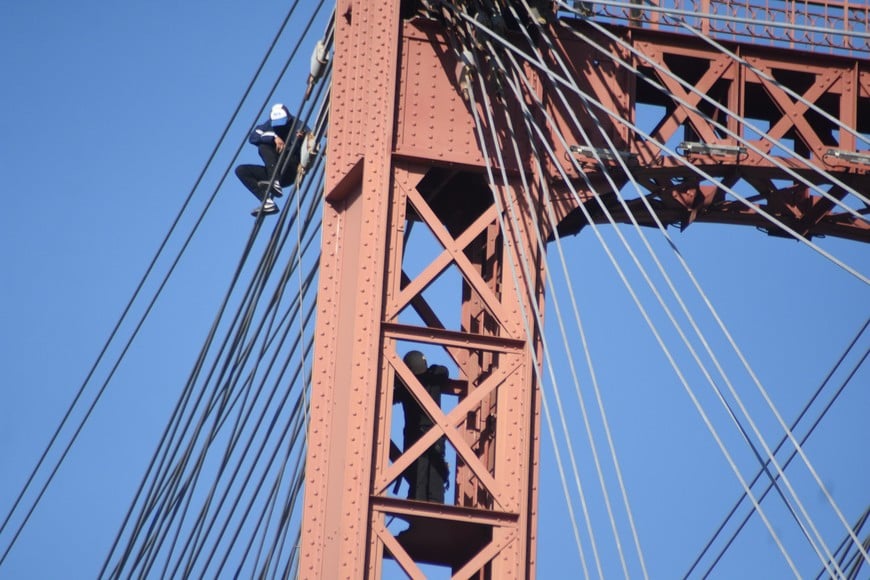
<point>346,362</point>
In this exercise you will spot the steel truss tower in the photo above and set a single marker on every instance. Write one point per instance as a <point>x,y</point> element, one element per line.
<point>404,158</point>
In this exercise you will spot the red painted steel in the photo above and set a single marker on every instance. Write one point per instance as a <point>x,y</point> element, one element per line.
<point>366,293</point>
<point>339,466</point>
<point>404,162</point>
<point>838,85</point>
<point>802,24</point>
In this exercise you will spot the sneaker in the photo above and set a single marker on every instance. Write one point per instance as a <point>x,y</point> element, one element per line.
<point>265,209</point>
<point>276,188</point>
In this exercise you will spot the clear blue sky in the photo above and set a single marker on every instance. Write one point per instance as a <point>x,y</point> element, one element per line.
<point>109,113</point>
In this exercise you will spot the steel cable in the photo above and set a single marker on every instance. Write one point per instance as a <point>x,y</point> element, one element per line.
<point>673,363</point>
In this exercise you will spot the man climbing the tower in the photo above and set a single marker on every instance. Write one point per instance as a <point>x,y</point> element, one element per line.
<point>271,138</point>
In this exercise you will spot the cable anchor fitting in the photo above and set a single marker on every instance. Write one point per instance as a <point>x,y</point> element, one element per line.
<point>319,58</point>
<point>306,156</point>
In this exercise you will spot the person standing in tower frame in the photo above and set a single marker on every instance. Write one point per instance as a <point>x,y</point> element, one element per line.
<point>427,476</point>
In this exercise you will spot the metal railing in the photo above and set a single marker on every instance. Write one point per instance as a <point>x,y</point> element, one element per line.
<point>827,26</point>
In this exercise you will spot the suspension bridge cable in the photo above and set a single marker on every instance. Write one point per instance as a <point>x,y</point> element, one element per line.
<point>749,144</point>
<point>791,456</point>
<point>782,441</point>
<point>285,69</point>
<point>850,532</point>
<point>309,238</point>
<point>309,242</point>
<point>528,331</point>
<point>824,490</point>
<point>177,480</point>
<point>545,348</point>
<point>129,306</point>
<point>854,562</point>
<point>858,544</point>
<point>294,308</point>
<point>218,528</point>
<point>558,315</point>
<point>649,248</point>
<point>695,327</point>
<point>140,285</point>
<point>698,170</point>
<point>603,415</point>
<point>683,380</point>
<point>527,275</point>
<point>286,331</point>
<point>296,418</point>
<point>280,528</point>
<point>665,349</point>
<point>727,406</point>
<point>588,357</point>
<point>192,535</point>
<point>151,504</point>
<point>246,452</point>
<point>536,229</point>
<point>673,12</point>
<point>172,430</point>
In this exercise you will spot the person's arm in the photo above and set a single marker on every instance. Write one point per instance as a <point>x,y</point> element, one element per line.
<point>299,128</point>
<point>400,392</point>
<point>438,375</point>
<point>298,135</point>
<point>263,135</point>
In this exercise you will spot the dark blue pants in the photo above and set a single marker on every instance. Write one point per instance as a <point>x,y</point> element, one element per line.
<point>250,175</point>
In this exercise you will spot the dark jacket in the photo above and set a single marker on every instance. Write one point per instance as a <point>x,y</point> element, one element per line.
<point>264,134</point>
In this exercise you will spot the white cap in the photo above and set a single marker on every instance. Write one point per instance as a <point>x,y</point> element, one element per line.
<point>279,115</point>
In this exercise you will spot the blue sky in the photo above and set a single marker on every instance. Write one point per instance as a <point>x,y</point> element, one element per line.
<point>109,113</point>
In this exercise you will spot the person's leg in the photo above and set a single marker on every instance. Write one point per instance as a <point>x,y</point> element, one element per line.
<point>250,176</point>
<point>270,159</point>
<point>440,471</point>
<point>411,432</point>
<point>434,490</point>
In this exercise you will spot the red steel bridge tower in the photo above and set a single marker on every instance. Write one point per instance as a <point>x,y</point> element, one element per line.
<point>411,149</point>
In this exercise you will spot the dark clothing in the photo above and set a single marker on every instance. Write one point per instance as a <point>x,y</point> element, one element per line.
<point>252,175</point>
<point>263,136</point>
<point>427,475</point>
<point>264,133</point>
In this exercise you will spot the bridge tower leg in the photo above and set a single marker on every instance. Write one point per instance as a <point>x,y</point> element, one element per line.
<point>403,164</point>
